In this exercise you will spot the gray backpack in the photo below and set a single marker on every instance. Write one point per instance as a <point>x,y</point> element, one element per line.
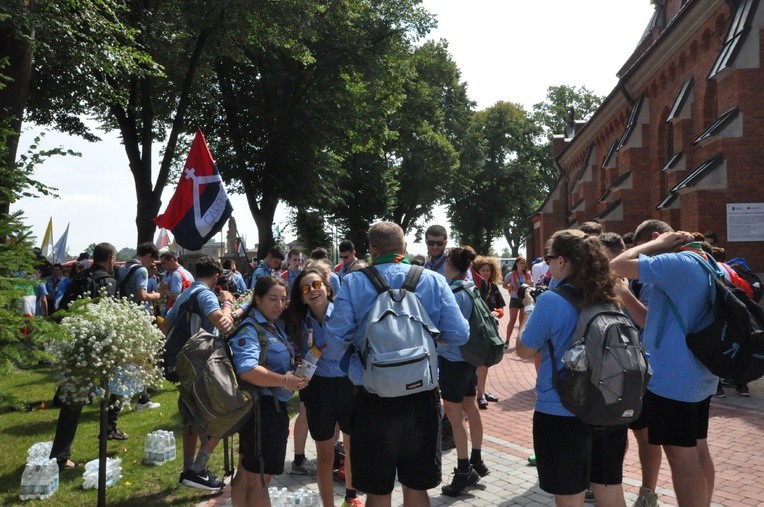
<point>606,371</point>
<point>399,355</point>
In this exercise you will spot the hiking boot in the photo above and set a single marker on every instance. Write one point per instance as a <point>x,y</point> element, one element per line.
<point>646,498</point>
<point>482,403</point>
<point>491,397</point>
<point>307,467</point>
<point>720,392</point>
<point>743,391</point>
<point>149,405</point>
<point>116,434</point>
<point>460,482</point>
<point>480,468</point>
<point>205,480</point>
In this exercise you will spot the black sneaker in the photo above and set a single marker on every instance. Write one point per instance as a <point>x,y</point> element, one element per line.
<point>460,482</point>
<point>491,397</point>
<point>480,468</point>
<point>116,434</point>
<point>205,480</point>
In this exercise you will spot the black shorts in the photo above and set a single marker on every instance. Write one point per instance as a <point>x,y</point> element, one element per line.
<point>457,379</point>
<point>274,427</point>
<point>396,435</point>
<point>608,450</point>
<point>515,303</point>
<point>640,423</point>
<point>563,448</point>
<point>672,422</point>
<point>328,402</point>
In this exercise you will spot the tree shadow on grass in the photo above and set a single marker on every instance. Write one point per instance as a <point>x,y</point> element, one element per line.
<point>167,496</point>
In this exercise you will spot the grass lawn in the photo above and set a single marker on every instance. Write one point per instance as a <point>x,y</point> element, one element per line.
<point>141,485</point>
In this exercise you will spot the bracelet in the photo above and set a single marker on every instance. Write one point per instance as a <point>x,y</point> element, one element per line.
<point>228,304</point>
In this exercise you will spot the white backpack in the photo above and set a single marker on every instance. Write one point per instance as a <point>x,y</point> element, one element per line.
<point>399,355</point>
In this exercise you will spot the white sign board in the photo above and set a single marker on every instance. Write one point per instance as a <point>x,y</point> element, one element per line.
<point>745,221</point>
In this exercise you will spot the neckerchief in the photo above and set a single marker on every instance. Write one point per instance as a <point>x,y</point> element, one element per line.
<point>694,246</point>
<point>435,266</point>
<point>391,257</point>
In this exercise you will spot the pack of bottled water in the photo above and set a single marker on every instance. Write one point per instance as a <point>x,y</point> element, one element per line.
<point>285,498</point>
<point>40,476</point>
<point>160,447</point>
<point>113,473</point>
<point>125,383</point>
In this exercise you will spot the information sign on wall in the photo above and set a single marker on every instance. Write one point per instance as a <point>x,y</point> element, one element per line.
<point>745,221</point>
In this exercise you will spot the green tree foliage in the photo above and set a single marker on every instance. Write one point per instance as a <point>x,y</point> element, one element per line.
<point>312,230</point>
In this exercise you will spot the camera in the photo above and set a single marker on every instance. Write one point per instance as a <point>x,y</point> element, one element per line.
<point>534,291</point>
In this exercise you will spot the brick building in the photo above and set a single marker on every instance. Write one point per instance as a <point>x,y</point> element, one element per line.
<point>680,138</point>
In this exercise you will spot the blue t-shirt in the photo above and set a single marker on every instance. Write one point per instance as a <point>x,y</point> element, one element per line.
<point>176,279</point>
<point>464,301</point>
<point>677,373</point>
<point>357,295</point>
<point>329,364</point>
<point>245,347</point>
<point>138,279</point>
<point>261,270</point>
<point>554,318</point>
<point>40,292</point>
<point>241,285</point>
<point>208,303</point>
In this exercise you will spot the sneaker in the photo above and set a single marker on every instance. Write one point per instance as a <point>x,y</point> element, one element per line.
<point>532,460</point>
<point>720,392</point>
<point>482,403</point>
<point>646,498</point>
<point>491,397</point>
<point>460,482</point>
<point>149,405</point>
<point>506,345</point>
<point>480,468</point>
<point>205,480</point>
<point>353,502</point>
<point>116,434</point>
<point>307,467</point>
<point>743,391</point>
<point>589,496</point>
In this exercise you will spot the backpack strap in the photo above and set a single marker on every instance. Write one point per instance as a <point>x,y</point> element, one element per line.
<point>570,294</point>
<point>376,279</point>
<point>261,337</point>
<point>462,286</point>
<point>128,275</point>
<point>412,278</point>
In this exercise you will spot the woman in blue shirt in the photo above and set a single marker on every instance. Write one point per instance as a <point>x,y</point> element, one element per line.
<point>275,380</point>
<point>568,454</point>
<point>329,396</point>
<point>458,382</point>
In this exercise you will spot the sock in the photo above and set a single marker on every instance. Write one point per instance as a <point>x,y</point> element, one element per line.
<point>476,456</point>
<point>298,459</point>
<point>350,494</point>
<point>463,465</point>
<point>200,462</point>
<point>188,463</point>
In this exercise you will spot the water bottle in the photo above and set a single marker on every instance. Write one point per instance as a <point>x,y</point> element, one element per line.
<point>39,451</point>
<point>173,448</point>
<point>27,484</point>
<point>529,304</point>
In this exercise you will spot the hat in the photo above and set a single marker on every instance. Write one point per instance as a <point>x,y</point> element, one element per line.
<point>536,260</point>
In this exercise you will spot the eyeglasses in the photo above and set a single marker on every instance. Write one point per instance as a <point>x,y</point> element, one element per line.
<point>315,284</point>
<point>346,257</point>
<point>434,242</point>
<point>550,257</point>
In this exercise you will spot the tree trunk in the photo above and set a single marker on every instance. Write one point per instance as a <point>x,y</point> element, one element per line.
<point>263,213</point>
<point>13,98</point>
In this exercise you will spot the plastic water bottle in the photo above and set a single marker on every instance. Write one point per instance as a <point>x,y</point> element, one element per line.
<point>27,482</point>
<point>39,451</point>
<point>529,304</point>
<point>113,472</point>
<point>125,383</point>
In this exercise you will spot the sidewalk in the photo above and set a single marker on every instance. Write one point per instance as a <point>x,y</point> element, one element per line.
<point>736,440</point>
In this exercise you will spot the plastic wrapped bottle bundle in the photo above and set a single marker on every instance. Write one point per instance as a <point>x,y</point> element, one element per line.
<point>113,473</point>
<point>125,383</point>
<point>39,479</point>
<point>285,498</point>
<point>39,451</point>
<point>160,447</point>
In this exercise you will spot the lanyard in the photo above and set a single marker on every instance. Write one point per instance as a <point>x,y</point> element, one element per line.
<point>290,348</point>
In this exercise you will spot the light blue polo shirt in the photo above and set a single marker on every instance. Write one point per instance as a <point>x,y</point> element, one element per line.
<point>208,303</point>
<point>329,364</point>
<point>139,279</point>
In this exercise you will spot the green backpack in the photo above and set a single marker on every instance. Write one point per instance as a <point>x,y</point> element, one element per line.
<point>211,394</point>
<point>485,346</point>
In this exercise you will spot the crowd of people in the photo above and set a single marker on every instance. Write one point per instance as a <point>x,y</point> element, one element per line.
<point>313,315</point>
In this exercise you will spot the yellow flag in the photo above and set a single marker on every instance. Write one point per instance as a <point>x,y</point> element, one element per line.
<point>46,250</point>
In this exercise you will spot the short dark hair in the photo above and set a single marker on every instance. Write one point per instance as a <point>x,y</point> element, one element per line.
<point>207,266</point>
<point>646,229</point>
<point>294,252</point>
<point>346,246</point>
<point>103,252</point>
<point>612,241</point>
<point>147,248</point>
<point>437,231</point>
<point>628,238</point>
<point>319,253</point>
<point>276,253</point>
<point>711,235</point>
<point>591,228</point>
<point>168,256</point>
<point>227,263</point>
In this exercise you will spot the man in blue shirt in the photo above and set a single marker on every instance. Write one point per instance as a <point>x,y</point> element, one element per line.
<point>270,266</point>
<point>678,395</point>
<point>402,434</point>
<point>436,239</point>
<point>347,254</point>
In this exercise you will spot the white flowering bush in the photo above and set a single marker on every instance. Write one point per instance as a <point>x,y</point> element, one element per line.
<point>111,347</point>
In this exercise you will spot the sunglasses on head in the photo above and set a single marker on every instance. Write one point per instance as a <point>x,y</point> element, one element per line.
<point>315,284</point>
<point>434,242</point>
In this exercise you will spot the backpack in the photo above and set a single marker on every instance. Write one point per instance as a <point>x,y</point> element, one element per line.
<point>227,282</point>
<point>606,371</point>
<point>485,346</point>
<point>398,356</point>
<point>732,345</point>
<point>184,284</point>
<point>87,284</point>
<point>742,269</point>
<point>121,286</point>
<point>187,324</point>
<point>211,394</point>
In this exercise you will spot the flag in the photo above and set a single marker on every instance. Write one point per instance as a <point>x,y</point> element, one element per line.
<point>163,239</point>
<point>59,249</point>
<point>199,208</point>
<point>46,249</point>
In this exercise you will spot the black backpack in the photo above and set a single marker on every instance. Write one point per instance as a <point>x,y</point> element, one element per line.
<point>227,282</point>
<point>88,284</point>
<point>732,345</point>
<point>187,324</point>
<point>746,273</point>
<point>606,370</point>
<point>121,286</point>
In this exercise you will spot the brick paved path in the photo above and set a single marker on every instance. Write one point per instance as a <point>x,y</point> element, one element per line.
<point>736,440</point>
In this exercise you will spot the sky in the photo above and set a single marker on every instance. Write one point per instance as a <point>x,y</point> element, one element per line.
<point>506,50</point>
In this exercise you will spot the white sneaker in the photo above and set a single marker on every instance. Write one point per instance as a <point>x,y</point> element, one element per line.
<point>149,405</point>
<point>307,467</point>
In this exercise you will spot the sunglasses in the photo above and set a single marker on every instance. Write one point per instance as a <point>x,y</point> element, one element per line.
<point>433,242</point>
<point>550,257</point>
<point>315,285</point>
<point>345,256</point>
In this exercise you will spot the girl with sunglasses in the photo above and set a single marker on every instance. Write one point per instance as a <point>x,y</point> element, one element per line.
<point>275,381</point>
<point>328,398</point>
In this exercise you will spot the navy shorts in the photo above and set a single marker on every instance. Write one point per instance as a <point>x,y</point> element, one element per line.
<point>396,435</point>
<point>328,402</point>
<point>457,380</point>
<point>274,427</point>
<point>679,423</point>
